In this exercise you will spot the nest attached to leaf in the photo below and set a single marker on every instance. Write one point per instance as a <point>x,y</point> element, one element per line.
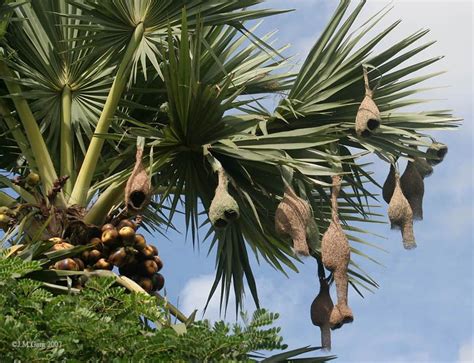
<point>413,189</point>
<point>401,215</point>
<point>138,188</point>
<point>292,218</point>
<point>389,185</point>
<point>224,208</point>
<point>336,255</point>
<point>321,309</point>
<point>368,116</point>
<point>436,153</point>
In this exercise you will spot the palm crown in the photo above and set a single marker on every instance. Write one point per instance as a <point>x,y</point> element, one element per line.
<point>84,80</point>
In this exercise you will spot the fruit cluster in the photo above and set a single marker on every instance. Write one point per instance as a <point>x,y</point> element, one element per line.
<point>118,246</point>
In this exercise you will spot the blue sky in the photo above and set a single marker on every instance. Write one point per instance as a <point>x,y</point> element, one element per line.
<point>423,311</point>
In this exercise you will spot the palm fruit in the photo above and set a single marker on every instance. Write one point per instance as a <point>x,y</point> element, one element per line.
<point>61,246</point>
<point>159,262</point>
<point>79,263</point>
<point>158,281</point>
<point>321,309</point>
<point>146,283</point>
<point>149,267</point>
<point>389,185</point>
<point>424,168</point>
<point>107,226</point>
<point>95,241</point>
<point>336,255</point>
<point>138,188</point>
<point>223,209</point>
<point>129,269</point>
<point>436,153</point>
<point>148,251</point>
<point>413,189</point>
<point>109,236</point>
<point>127,234</point>
<point>4,221</point>
<point>118,257</point>
<point>93,256</point>
<point>368,116</point>
<point>140,242</point>
<point>127,223</point>
<point>401,215</point>
<point>32,179</point>
<point>292,218</point>
<point>103,264</point>
<point>66,264</point>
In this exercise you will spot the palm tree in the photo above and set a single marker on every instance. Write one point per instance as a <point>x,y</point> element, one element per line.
<point>87,83</point>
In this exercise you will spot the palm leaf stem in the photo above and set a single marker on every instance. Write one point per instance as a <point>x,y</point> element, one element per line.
<point>84,178</point>
<point>67,158</point>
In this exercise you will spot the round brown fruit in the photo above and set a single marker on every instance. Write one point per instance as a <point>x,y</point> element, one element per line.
<point>103,264</point>
<point>66,264</point>
<point>126,223</point>
<point>94,256</point>
<point>118,257</point>
<point>127,234</point>
<point>148,251</point>
<point>149,267</point>
<point>158,281</point>
<point>140,242</point>
<point>107,226</point>
<point>56,240</point>
<point>155,250</point>
<point>79,263</point>
<point>32,179</point>
<point>146,284</point>
<point>61,246</point>
<point>85,256</point>
<point>109,236</point>
<point>158,262</point>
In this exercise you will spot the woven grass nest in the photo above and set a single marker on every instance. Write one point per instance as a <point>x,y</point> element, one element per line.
<point>401,215</point>
<point>336,252</point>
<point>224,208</point>
<point>321,310</point>
<point>138,188</point>
<point>292,219</point>
<point>368,116</point>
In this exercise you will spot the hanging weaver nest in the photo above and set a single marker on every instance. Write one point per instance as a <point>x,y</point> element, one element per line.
<point>224,209</point>
<point>138,188</point>
<point>401,215</point>
<point>436,153</point>
<point>292,218</point>
<point>336,253</point>
<point>321,309</point>
<point>413,189</point>
<point>389,185</point>
<point>368,116</point>
<point>424,167</point>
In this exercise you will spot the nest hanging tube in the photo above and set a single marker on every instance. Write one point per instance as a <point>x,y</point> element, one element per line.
<point>413,189</point>
<point>436,153</point>
<point>224,208</point>
<point>336,255</point>
<point>401,215</point>
<point>292,218</point>
<point>424,167</point>
<point>368,116</point>
<point>138,188</point>
<point>321,309</point>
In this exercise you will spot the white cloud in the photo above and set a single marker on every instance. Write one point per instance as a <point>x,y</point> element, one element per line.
<point>466,351</point>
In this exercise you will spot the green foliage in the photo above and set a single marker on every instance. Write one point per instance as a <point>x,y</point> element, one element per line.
<point>106,323</point>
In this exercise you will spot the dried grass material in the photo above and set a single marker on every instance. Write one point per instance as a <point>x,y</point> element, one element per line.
<point>436,153</point>
<point>224,209</point>
<point>138,188</point>
<point>336,255</point>
<point>424,167</point>
<point>292,218</point>
<point>401,215</point>
<point>389,185</point>
<point>413,189</point>
<point>321,309</point>
<point>368,116</point>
